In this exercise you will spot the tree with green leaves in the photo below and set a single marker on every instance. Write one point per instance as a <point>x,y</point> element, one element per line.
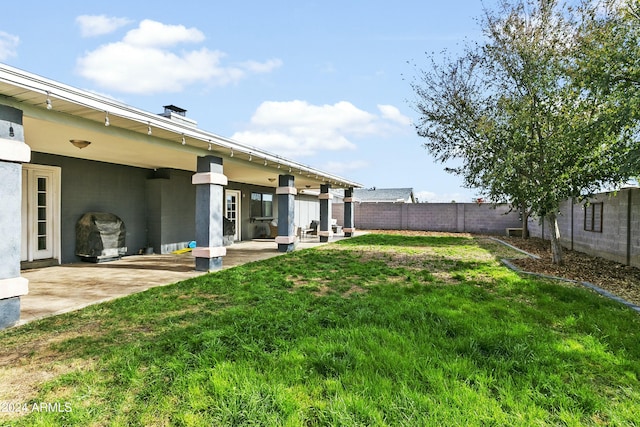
<point>608,66</point>
<point>513,109</point>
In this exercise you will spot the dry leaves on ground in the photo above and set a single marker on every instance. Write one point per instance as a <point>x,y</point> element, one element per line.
<point>620,280</point>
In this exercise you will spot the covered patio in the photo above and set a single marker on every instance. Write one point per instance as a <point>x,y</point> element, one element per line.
<point>67,154</point>
<point>69,287</point>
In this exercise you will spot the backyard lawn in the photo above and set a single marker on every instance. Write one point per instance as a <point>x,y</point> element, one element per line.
<point>373,330</point>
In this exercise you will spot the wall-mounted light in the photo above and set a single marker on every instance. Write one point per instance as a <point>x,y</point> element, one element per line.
<point>149,132</point>
<point>106,118</point>
<point>184,141</point>
<point>79,143</point>
<point>250,157</point>
<point>265,162</point>
<point>231,152</point>
<point>11,133</point>
<point>289,169</point>
<point>48,101</point>
<point>209,147</point>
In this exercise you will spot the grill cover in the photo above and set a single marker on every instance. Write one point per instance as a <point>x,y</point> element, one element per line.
<point>100,236</point>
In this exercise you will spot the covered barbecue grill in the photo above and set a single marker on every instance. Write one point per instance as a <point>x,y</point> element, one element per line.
<point>100,237</point>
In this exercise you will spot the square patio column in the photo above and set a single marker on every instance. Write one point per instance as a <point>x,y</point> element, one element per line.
<point>210,182</point>
<point>13,152</point>
<point>286,192</point>
<point>325,212</point>
<point>349,226</point>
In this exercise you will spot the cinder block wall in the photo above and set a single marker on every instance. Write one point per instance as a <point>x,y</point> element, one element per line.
<point>433,217</point>
<point>447,217</point>
<point>619,239</point>
<point>378,216</point>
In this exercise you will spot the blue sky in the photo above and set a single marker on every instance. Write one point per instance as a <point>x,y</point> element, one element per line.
<point>326,83</point>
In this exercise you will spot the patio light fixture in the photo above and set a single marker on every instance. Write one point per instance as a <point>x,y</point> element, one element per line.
<point>48,101</point>
<point>106,118</point>
<point>79,143</point>
<point>184,141</point>
<point>149,132</point>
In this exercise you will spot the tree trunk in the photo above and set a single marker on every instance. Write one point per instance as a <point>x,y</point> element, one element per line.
<point>554,231</point>
<point>525,222</point>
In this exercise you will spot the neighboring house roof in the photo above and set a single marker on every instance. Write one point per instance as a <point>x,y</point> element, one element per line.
<point>54,113</point>
<point>379,195</point>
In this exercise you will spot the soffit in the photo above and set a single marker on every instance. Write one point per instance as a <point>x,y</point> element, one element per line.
<point>81,115</point>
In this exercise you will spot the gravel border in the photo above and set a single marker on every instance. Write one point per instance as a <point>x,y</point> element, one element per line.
<point>591,286</point>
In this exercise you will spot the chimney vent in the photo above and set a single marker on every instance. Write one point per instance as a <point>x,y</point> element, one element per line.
<point>168,109</point>
<point>178,114</point>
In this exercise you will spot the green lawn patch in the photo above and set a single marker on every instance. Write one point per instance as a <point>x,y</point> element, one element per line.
<point>373,330</point>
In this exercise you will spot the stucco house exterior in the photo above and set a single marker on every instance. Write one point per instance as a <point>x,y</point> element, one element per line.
<point>66,152</point>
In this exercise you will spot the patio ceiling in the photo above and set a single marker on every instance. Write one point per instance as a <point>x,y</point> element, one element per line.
<point>77,114</point>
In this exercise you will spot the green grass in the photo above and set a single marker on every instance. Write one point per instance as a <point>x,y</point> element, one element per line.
<point>374,330</point>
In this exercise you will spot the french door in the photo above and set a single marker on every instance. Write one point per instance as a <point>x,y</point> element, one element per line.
<point>232,210</point>
<point>40,213</point>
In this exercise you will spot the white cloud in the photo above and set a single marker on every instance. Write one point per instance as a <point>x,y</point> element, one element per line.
<point>144,56</point>
<point>262,67</point>
<point>297,128</point>
<point>392,113</point>
<point>98,25</point>
<point>8,45</point>
<point>156,34</point>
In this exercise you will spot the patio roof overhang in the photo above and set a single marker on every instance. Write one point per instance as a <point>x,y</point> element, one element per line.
<point>80,115</point>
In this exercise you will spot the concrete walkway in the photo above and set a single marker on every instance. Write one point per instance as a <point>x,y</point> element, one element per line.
<point>68,287</point>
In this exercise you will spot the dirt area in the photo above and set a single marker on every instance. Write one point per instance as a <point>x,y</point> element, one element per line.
<point>620,280</point>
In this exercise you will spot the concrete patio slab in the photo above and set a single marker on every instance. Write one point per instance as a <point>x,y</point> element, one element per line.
<point>68,287</point>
